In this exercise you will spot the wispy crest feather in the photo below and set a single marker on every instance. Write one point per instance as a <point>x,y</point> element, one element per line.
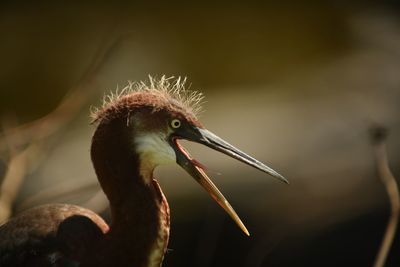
<point>169,89</point>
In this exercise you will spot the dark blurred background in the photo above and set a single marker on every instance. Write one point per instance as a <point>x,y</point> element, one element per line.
<point>297,85</point>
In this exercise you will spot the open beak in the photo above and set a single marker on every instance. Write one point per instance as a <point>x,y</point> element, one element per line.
<point>197,171</point>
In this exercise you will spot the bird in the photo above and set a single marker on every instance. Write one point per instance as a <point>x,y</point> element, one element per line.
<point>137,129</point>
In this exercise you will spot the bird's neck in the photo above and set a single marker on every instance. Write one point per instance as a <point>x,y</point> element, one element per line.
<point>138,208</point>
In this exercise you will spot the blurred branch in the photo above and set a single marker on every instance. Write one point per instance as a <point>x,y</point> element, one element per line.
<point>66,189</point>
<point>69,107</point>
<point>33,135</point>
<point>378,135</point>
<point>14,175</point>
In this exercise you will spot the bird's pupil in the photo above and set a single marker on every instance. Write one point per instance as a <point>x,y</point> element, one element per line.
<point>175,123</point>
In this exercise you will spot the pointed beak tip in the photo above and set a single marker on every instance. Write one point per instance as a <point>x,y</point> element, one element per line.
<point>283,179</point>
<point>247,233</point>
<point>197,171</point>
<point>278,176</point>
<point>242,226</point>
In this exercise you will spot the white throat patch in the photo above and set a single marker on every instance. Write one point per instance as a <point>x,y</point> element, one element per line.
<point>153,150</point>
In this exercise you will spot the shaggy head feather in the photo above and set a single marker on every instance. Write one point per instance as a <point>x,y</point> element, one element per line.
<point>164,93</point>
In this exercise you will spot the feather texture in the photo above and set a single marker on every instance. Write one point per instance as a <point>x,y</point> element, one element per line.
<point>166,92</point>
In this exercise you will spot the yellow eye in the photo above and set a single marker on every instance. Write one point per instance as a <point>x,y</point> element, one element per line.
<point>175,123</point>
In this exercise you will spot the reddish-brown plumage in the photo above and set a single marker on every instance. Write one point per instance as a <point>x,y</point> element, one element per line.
<point>136,132</point>
<point>135,205</point>
<point>140,212</point>
<point>33,237</point>
<point>153,99</point>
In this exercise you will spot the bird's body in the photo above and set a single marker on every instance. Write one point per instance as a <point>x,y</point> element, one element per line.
<point>33,237</point>
<point>136,132</point>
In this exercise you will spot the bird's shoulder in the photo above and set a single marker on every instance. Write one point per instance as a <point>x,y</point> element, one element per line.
<point>41,236</point>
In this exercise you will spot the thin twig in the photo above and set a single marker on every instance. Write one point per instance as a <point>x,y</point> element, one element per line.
<point>389,181</point>
<point>14,178</point>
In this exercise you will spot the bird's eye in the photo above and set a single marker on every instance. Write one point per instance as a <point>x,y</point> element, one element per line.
<point>175,123</point>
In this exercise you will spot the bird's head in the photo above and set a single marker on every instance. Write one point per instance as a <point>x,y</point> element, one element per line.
<point>161,113</point>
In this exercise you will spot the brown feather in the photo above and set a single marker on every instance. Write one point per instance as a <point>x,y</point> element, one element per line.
<point>163,93</point>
